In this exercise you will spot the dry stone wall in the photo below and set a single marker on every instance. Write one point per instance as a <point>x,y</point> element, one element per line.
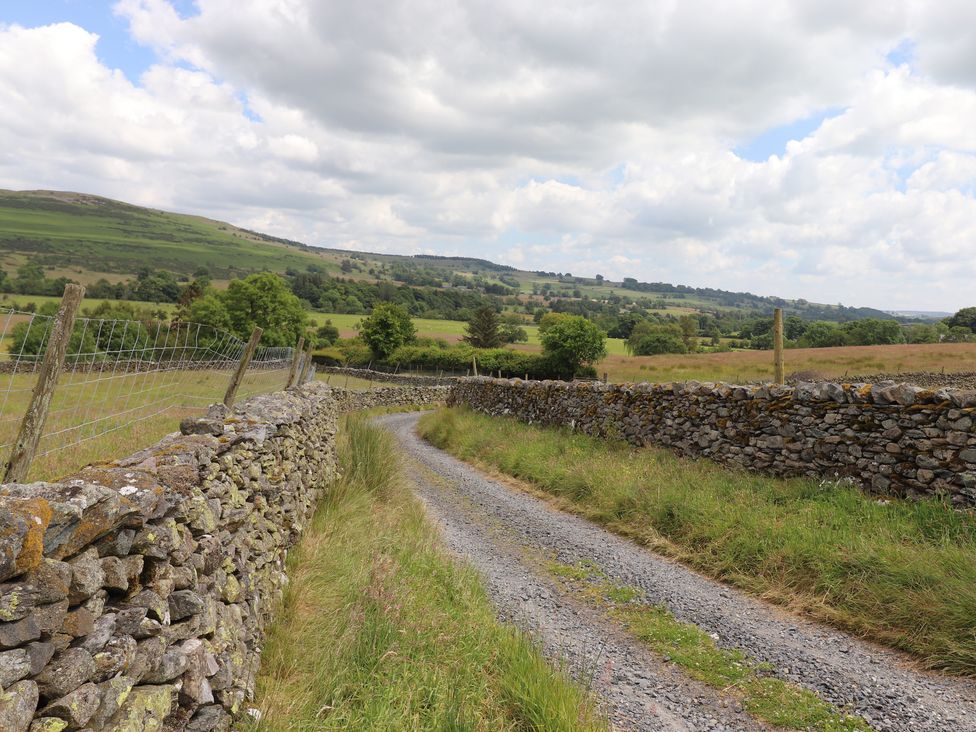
<point>371,375</point>
<point>393,396</point>
<point>134,596</point>
<point>889,438</point>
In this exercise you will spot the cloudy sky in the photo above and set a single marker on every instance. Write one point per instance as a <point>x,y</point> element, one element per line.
<point>823,149</point>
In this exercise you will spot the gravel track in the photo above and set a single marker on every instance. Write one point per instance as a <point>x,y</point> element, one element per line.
<point>504,533</point>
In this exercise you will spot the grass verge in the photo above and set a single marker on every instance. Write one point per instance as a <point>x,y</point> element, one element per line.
<point>685,644</point>
<point>900,572</point>
<point>380,630</point>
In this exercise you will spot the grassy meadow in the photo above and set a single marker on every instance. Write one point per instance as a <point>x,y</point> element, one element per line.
<point>738,366</point>
<point>831,551</point>
<point>100,417</point>
<point>404,638</point>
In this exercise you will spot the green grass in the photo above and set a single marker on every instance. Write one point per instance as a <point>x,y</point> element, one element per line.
<point>104,236</point>
<point>900,572</point>
<point>765,697</point>
<point>381,630</point>
<point>96,418</point>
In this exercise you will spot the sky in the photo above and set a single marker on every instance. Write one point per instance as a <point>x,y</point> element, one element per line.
<point>820,149</point>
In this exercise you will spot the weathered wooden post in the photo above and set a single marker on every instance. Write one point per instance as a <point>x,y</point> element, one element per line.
<point>235,381</point>
<point>779,375</point>
<point>474,365</point>
<point>306,365</point>
<point>296,357</point>
<point>32,426</point>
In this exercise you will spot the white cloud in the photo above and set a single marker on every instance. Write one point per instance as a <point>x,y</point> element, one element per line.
<point>559,137</point>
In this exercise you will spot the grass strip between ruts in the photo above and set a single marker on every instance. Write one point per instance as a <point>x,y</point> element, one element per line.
<point>696,652</point>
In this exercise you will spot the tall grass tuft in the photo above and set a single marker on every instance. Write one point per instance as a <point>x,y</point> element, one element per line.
<point>900,572</point>
<point>381,630</point>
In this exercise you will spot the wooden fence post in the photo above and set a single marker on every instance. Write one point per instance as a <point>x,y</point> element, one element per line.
<point>474,364</point>
<point>306,365</point>
<point>778,346</point>
<point>32,426</point>
<point>296,357</point>
<point>235,382</point>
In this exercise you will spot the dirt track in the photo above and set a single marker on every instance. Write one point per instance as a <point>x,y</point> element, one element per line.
<point>509,536</point>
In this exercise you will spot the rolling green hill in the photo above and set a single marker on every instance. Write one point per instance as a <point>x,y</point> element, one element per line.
<point>86,238</point>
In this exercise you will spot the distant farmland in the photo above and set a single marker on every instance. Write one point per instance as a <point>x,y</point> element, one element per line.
<point>829,362</point>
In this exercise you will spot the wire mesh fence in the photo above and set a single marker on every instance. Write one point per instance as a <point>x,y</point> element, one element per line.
<point>122,381</point>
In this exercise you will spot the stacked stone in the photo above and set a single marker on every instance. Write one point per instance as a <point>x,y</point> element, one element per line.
<point>927,379</point>
<point>135,596</point>
<point>394,396</point>
<point>890,438</point>
<point>370,375</point>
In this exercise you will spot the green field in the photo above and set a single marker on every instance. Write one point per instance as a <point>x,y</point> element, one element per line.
<point>95,417</point>
<point>448,330</point>
<point>86,235</point>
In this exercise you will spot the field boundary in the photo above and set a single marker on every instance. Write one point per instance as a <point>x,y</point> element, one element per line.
<point>887,438</point>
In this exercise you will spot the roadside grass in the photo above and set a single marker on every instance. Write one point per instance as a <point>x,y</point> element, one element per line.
<point>685,644</point>
<point>899,572</point>
<point>379,629</point>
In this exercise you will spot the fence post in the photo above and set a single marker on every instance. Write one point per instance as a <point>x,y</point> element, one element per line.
<point>474,364</point>
<point>32,426</point>
<point>296,357</point>
<point>306,365</point>
<point>235,382</point>
<point>778,345</point>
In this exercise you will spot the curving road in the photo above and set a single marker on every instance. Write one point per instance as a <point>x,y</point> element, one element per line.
<point>509,535</point>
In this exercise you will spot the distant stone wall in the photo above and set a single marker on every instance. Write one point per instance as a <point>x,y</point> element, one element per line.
<point>927,379</point>
<point>370,375</point>
<point>393,396</point>
<point>889,438</point>
<point>138,592</point>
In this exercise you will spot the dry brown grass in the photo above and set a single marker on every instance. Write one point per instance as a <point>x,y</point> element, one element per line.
<point>739,366</point>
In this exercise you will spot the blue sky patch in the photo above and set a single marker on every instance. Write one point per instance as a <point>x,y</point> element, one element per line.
<point>773,141</point>
<point>116,48</point>
<point>903,53</point>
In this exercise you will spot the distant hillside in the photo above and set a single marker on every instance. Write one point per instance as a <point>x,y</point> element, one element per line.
<point>87,238</point>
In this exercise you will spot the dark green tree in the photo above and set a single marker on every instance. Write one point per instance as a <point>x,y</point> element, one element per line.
<point>483,329</point>
<point>326,335</point>
<point>650,339</point>
<point>573,342</point>
<point>965,318</point>
<point>387,328</point>
<point>511,329</point>
<point>264,300</point>
<point>260,300</point>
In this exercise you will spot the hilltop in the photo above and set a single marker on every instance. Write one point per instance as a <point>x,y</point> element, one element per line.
<point>87,238</point>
